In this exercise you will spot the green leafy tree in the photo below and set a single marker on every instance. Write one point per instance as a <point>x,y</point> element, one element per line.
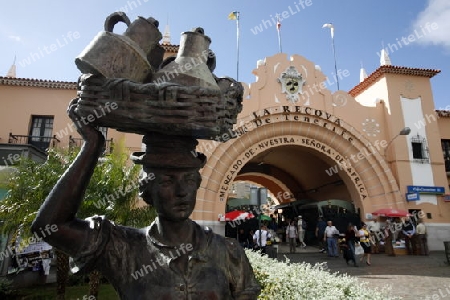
<point>112,192</point>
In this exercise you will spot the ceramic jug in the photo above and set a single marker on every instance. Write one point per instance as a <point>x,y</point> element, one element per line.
<point>189,67</point>
<point>121,56</point>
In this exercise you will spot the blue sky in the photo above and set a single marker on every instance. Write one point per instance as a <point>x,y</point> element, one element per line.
<point>46,36</point>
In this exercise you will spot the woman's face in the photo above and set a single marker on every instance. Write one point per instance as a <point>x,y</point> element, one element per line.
<point>173,193</point>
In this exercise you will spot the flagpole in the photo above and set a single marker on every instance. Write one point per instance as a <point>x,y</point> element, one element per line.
<point>237,45</point>
<point>335,65</point>
<point>279,35</point>
<point>331,26</point>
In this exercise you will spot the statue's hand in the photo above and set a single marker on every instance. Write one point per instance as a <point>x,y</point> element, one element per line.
<point>86,129</point>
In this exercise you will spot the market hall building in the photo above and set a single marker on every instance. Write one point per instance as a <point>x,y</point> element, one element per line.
<point>305,142</point>
<point>294,136</point>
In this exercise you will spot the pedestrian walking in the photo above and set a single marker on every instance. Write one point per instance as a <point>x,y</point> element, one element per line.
<point>301,229</point>
<point>364,239</point>
<point>260,238</point>
<point>291,233</point>
<point>350,239</point>
<point>320,229</point>
<point>330,237</point>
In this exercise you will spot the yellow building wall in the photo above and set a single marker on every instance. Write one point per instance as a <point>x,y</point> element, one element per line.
<point>19,104</point>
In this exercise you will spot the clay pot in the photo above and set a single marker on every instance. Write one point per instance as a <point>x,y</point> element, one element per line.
<point>121,56</point>
<point>189,67</point>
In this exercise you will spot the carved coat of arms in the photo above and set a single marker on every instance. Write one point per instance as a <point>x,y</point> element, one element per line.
<point>292,84</point>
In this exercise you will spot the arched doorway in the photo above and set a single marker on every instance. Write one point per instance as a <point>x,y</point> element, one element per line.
<point>330,153</point>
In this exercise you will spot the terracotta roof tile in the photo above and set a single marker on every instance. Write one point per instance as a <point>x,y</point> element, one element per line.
<point>171,48</point>
<point>391,70</point>
<point>31,82</point>
<point>443,113</point>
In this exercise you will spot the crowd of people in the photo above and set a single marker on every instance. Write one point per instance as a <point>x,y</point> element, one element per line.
<point>356,243</point>
<point>376,238</point>
<point>251,237</point>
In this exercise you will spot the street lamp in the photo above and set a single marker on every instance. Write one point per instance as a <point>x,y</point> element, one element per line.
<point>404,131</point>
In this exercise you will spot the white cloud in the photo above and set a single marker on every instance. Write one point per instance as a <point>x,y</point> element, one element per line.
<point>437,12</point>
<point>15,38</point>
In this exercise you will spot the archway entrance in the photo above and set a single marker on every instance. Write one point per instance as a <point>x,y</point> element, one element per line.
<point>305,149</point>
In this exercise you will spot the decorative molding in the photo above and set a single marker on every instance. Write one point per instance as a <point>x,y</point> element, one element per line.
<point>371,127</point>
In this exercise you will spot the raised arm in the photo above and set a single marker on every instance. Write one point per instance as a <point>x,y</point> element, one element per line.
<point>60,207</point>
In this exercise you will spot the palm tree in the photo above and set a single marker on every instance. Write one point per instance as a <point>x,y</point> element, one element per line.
<point>112,191</point>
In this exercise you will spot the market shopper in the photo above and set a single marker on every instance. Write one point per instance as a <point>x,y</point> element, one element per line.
<point>291,234</point>
<point>320,229</point>
<point>389,238</point>
<point>260,238</point>
<point>364,239</point>
<point>301,228</point>
<point>350,239</point>
<point>409,231</point>
<point>421,231</point>
<point>374,230</point>
<point>330,238</point>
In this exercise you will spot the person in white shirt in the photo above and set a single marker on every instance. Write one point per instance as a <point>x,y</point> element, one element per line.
<point>374,229</point>
<point>301,226</point>
<point>329,237</point>
<point>291,234</point>
<point>260,238</point>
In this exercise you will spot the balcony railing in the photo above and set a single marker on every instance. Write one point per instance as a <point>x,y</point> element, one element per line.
<point>40,142</point>
<point>78,142</point>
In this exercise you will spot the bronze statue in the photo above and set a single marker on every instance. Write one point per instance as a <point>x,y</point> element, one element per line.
<point>173,258</point>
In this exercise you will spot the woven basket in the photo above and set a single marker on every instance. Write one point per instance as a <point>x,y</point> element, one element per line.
<point>194,111</point>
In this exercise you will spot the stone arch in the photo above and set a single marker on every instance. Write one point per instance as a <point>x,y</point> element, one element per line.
<point>306,127</point>
<point>273,184</point>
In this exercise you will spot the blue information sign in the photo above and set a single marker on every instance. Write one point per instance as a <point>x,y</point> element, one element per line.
<point>425,189</point>
<point>412,196</point>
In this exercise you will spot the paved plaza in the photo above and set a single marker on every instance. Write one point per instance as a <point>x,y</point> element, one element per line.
<point>411,276</point>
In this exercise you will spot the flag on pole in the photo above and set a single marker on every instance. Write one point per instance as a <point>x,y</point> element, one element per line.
<point>279,33</point>
<point>233,15</point>
<point>331,26</point>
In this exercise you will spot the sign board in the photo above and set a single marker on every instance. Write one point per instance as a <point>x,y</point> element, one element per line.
<point>254,195</point>
<point>412,196</point>
<point>425,189</point>
<point>446,197</point>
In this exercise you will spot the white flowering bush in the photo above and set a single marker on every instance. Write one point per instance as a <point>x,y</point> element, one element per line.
<point>285,280</point>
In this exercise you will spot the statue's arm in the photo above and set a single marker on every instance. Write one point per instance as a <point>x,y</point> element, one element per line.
<point>56,220</point>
